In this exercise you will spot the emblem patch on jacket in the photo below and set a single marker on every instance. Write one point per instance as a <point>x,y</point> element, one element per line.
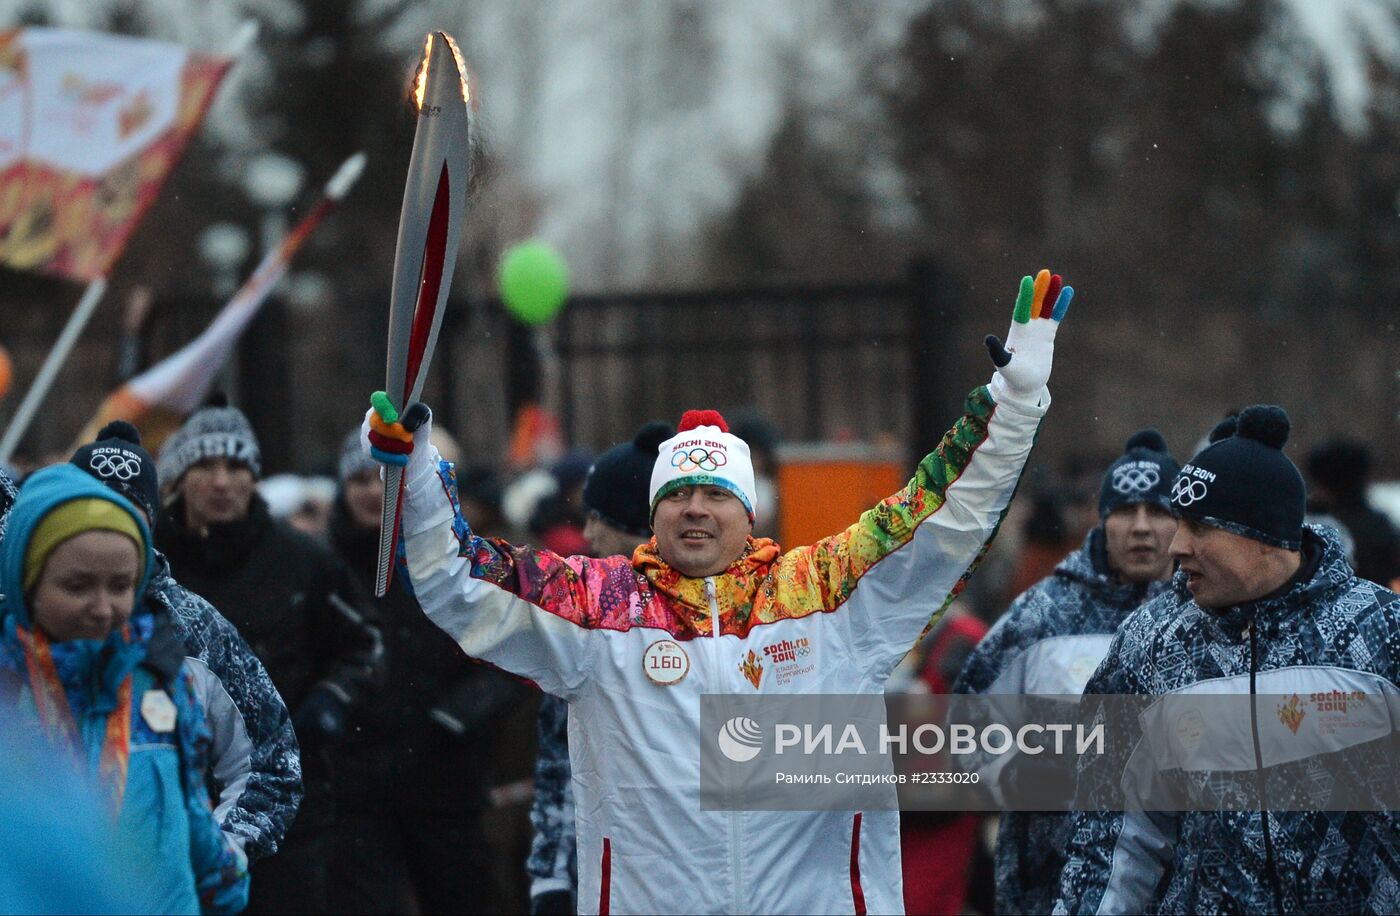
<point>752,668</point>
<point>158,710</point>
<point>665,662</point>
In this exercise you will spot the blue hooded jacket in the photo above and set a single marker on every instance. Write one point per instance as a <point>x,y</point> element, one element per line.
<point>165,818</point>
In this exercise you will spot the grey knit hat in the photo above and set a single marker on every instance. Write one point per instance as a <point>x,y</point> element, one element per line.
<point>353,458</point>
<point>210,432</point>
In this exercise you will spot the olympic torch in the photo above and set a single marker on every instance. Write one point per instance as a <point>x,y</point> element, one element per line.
<point>430,229</point>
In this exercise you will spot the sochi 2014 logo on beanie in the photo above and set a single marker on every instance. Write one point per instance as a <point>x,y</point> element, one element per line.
<point>117,459</point>
<point>704,453</point>
<point>1242,481</point>
<point>1143,474</point>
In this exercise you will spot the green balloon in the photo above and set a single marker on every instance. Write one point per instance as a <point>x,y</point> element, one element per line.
<point>534,281</point>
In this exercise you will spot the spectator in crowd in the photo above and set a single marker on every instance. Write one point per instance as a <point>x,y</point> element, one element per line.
<point>1340,470</point>
<point>1050,642</point>
<point>558,520</point>
<point>296,606</point>
<point>411,778</point>
<point>1261,605</point>
<point>96,679</point>
<point>255,767</point>
<point>615,503</point>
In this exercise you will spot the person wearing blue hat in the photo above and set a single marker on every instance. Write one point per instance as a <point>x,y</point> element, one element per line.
<point>97,680</point>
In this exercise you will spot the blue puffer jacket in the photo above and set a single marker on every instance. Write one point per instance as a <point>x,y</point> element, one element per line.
<point>1327,630</point>
<point>165,819</point>
<point>1049,642</point>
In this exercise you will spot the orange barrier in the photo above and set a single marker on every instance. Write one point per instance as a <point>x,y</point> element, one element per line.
<point>824,487</point>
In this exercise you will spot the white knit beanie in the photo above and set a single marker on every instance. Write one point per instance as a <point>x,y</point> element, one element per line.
<point>703,453</point>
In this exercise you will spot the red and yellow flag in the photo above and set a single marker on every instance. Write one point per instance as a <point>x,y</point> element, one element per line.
<point>90,126</point>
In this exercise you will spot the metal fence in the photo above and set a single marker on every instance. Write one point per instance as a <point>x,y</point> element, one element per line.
<point>822,363</point>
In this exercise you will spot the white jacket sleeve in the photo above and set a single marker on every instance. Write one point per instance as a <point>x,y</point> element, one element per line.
<point>524,610</point>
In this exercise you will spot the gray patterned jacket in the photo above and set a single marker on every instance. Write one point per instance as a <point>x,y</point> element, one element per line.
<point>1328,629</point>
<point>255,762</point>
<point>553,860</point>
<point>1048,643</point>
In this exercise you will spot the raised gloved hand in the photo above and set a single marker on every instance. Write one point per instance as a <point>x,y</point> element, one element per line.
<point>403,440</point>
<point>1023,363</point>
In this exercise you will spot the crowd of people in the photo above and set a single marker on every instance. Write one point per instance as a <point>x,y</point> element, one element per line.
<point>261,732</point>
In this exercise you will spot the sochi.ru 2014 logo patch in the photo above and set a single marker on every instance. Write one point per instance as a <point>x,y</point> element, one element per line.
<point>665,662</point>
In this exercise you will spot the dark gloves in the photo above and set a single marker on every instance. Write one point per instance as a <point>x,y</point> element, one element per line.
<point>552,903</point>
<point>323,717</point>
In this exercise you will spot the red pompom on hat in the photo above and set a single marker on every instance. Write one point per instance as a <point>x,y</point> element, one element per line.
<point>693,419</point>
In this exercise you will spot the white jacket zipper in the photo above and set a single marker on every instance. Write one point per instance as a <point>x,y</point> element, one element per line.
<point>735,902</point>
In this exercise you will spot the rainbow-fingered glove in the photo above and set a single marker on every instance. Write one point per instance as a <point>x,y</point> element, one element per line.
<point>389,437</point>
<point>1023,363</point>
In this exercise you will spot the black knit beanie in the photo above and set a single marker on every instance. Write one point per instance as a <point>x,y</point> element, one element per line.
<point>117,459</point>
<point>1243,482</point>
<point>617,488</point>
<point>1143,474</point>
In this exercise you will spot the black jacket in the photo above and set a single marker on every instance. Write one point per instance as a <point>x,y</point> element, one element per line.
<point>290,598</point>
<point>423,738</point>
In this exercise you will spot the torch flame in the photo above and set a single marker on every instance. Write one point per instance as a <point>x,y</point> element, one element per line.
<point>461,67</point>
<point>420,83</point>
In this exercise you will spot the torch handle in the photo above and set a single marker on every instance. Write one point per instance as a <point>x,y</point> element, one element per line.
<point>388,529</point>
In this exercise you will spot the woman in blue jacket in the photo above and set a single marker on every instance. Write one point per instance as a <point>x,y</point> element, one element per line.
<point>107,690</point>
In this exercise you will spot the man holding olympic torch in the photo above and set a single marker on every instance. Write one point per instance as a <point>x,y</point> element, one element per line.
<point>633,642</point>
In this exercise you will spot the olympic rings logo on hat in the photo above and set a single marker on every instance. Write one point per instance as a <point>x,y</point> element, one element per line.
<point>118,465</point>
<point>1186,492</point>
<point>1129,480</point>
<point>699,459</point>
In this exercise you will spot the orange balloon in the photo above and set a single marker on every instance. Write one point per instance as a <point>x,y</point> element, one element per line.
<point>6,372</point>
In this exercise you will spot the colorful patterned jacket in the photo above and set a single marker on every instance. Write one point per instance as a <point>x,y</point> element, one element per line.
<point>835,617</point>
<point>1327,631</point>
<point>1048,643</point>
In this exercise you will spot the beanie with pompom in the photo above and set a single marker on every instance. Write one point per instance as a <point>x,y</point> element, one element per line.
<point>117,458</point>
<point>704,452</point>
<point>1143,474</point>
<point>616,487</point>
<point>1243,482</point>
